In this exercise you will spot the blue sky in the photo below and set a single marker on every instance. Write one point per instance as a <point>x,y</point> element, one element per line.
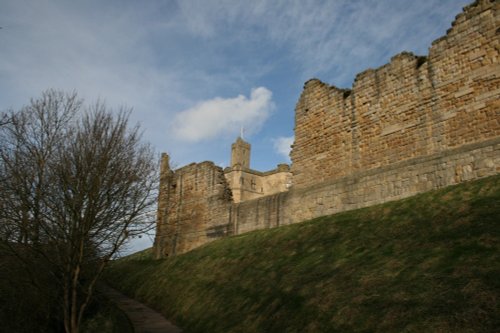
<point>196,71</point>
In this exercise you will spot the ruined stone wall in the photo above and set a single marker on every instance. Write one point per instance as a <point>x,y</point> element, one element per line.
<point>394,182</point>
<point>411,107</point>
<point>193,209</point>
<point>366,188</point>
<point>413,125</point>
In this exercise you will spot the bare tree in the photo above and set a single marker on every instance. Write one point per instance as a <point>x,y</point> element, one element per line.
<point>4,119</point>
<point>28,142</point>
<point>30,139</point>
<point>75,188</point>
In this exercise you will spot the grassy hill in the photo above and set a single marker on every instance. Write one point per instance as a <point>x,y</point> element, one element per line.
<point>430,263</point>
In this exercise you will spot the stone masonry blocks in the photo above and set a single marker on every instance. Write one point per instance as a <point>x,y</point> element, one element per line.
<point>413,125</point>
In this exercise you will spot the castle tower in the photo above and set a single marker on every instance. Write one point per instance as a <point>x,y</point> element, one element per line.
<point>240,154</point>
<point>166,177</point>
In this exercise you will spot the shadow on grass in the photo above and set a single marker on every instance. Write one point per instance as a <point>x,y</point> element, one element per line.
<point>429,263</point>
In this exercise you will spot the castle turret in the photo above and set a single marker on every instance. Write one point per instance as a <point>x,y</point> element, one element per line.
<point>166,176</point>
<point>240,154</point>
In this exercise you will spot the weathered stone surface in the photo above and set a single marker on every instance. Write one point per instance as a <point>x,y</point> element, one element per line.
<point>195,202</point>
<point>193,207</point>
<point>410,107</point>
<point>410,126</point>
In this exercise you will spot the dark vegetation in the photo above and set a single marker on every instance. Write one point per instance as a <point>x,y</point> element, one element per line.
<point>103,316</point>
<point>30,301</point>
<point>430,263</point>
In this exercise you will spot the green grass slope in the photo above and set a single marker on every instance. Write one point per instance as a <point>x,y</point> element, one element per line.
<point>430,263</point>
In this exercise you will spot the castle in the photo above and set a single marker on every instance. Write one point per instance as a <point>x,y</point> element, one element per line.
<point>410,126</point>
<point>248,184</point>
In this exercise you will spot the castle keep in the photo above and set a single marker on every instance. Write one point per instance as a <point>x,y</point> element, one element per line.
<point>248,184</point>
<point>410,126</point>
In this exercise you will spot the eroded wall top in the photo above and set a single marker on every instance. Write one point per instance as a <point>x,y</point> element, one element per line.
<point>193,208</point>
<point>413,106</point>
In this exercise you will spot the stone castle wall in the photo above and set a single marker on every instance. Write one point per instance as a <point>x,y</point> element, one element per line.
<point>411,107</point>
<point>413,125</point>
<point>366,188</point>
<point>194,207</point>
<point>247,184</point>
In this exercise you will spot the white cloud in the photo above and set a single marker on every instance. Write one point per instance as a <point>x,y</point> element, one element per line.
<point>51,44</point>
<point>162,56</point>
<point>220,116</point>
<point>282,145</point>
<point>336,39</point>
